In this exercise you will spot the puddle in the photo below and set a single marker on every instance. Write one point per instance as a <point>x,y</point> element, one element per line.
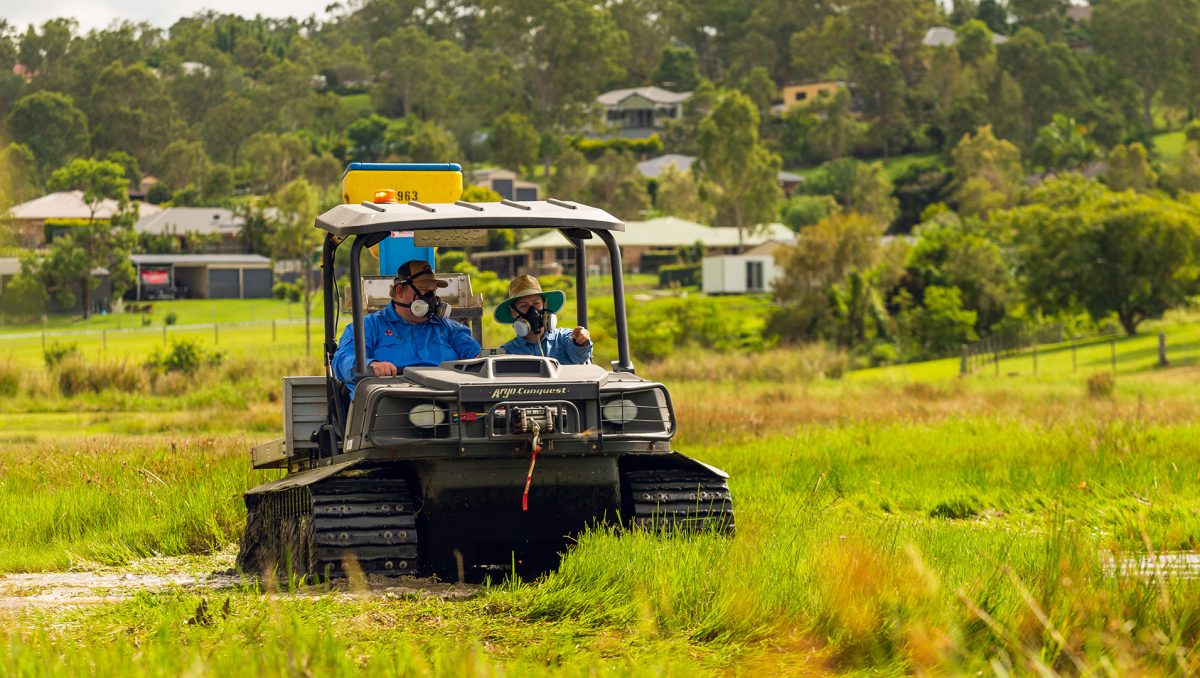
<point>1184,564</point>
<point>92,588</point>
<point>110,585</point>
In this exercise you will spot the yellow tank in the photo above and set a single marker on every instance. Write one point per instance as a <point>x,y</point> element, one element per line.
<point>423,182</point>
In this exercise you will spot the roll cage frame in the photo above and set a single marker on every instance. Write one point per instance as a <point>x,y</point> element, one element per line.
<point>371,223</point>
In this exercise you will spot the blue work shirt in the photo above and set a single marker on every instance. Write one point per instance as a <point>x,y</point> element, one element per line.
<point>557,344</point>
<point>390,338</point>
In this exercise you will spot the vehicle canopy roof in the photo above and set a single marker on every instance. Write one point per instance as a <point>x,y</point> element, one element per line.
<point>367,217</point>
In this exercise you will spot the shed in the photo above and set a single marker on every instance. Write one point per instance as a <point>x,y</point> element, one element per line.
<point>739,273</point>
<point>201,276</point>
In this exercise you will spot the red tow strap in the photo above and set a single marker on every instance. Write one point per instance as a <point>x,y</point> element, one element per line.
<point>537,447</point>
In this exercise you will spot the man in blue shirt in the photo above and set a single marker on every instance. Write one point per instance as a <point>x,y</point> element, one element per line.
<point>412,330</point>
<point>531,313</point>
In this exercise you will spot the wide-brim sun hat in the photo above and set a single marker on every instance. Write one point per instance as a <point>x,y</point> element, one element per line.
<point>527,286</point>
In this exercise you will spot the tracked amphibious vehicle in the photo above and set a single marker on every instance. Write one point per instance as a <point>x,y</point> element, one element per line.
<point>473,465</point>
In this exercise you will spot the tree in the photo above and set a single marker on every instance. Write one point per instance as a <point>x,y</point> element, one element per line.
<point>182,163</point>
<point>678,195</point>
<point>677,70</point>
<point>228,125</point>
<point>617,187</point>
<point>1049,76</point>
<point>428,142</point>
<point>129,110</point>
<point>1063,144</point>
<point>939,325</point>
<point>277,159</point>
<point>814,292</point>
<point>292,236</point>
<point>101,242</point>
<point>570,178</point>
<point>1129,168</point>
<point>988,173</point>
<point>49,124</point>
<point>859,187</point>
<point>560,68</point>
<point>837,132</point>
<point>368,138</point>
<point>1081,246</point>
<point>514,142</point>
<point>743,174</point>
<point>969,256</point>
<point>1148,41</point>
<point>18,175</point>
<point>805,210</point>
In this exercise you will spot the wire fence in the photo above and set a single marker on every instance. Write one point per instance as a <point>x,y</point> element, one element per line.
<point>1046,350</point>
<point>279,337</point>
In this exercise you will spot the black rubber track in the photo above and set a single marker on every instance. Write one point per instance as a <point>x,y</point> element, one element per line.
<point>360,522</point>
<point>368,521</point>
<point>670,499</point>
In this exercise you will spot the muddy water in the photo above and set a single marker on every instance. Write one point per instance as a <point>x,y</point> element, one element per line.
<point>1171,564</point>
<point>101,586</point>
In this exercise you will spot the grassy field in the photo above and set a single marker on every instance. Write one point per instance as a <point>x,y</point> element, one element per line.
<point>1169,145</point>
<point>901,520</point>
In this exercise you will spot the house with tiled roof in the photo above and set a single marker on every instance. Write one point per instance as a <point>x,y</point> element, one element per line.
<point>639,112</point>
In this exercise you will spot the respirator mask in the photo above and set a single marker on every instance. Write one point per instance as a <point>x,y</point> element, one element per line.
<point>426,303</point>
<point>532,320</point>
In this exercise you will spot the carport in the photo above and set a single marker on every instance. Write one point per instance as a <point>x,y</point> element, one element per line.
<point>201,276</point>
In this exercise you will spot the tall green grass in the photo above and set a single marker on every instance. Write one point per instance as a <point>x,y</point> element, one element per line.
<point>883,525</point>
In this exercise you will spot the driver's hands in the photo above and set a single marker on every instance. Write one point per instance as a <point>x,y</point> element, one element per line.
<point>383,368</point>
<point>580,335</point>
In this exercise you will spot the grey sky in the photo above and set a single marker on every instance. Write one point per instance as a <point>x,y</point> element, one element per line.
<point>101,13</point>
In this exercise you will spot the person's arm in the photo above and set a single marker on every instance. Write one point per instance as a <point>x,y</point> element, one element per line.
<point>343,359</point>
<point>462,342</point>
<point>578,354</point>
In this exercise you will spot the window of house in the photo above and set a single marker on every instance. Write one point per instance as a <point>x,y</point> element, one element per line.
<point>754,276</point>
<point>566,257</point>
<point>801,96</point>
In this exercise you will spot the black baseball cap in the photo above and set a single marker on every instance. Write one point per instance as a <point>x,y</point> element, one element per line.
<point>410,270</point>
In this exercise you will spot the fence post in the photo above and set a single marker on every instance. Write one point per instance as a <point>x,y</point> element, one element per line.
<point>164,335</point>
<point>996,356</point>
<point>1035,359</point>
<point>103,340</point>
<point>1113,347</point>
<point>216,335</point>
<point>1074,364</point>
<point>272,331</point>
<point>962,360</point>
<point>1162,349</point>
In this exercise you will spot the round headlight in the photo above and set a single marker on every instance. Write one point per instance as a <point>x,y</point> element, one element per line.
<point>427,415</point>
<point>619,411</point>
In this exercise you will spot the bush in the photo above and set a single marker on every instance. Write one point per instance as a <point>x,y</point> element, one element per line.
<point>805,210</point>
<point>170,318</point>
<point>10,379</point>
<point>55,353</point>
<point>184,356</point>
<point>784,365</point>
<point>289,291</point>
<point>1101,385</point>
<point>653,260</point>
<point>679,275</point>
<point>75,375</point>
<point>594,148</point>
<point>1191,131</point>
